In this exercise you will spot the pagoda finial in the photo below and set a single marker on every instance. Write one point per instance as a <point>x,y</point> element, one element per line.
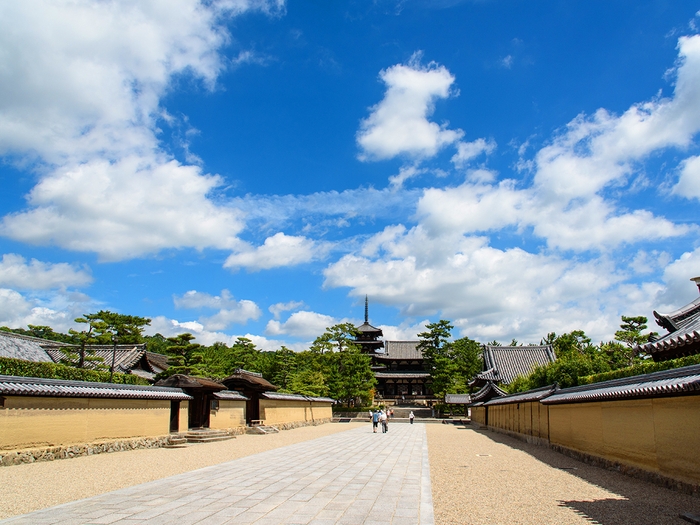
<point>366,310</point>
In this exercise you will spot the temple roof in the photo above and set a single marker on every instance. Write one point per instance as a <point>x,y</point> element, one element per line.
<point>17,346</point>
<point>502,364</point>
<point>32,386</point>
<point>366,328</point>
<point>296,397</point>
<point>131,358</point>
<point>684,333</point>
<point>487,392</point>
<point>457,399</point>
<point>402,374</point>
<point>677,381</point>
<point>185,381</point>
<point>245,379</point>
<point>401,350</point>
<point>535,394</point>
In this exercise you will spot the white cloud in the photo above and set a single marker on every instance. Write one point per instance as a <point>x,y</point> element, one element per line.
<point>194,300</point>
<point>405,173</point>
<point>277,251</point>
<point>57,309</point>
<point>689,181</point>
<point>171,327</point>
<point>568,203</point>
<point>243,312</point>
<point>17,273</point>
<point>399,123</point>
<point>80,91</point>
<point>302,324</point>
<point>126,209</point>
<point>467,151</point>
<point>277,308</point>
<point>487,292</point>
<point>403,332</point>
<point>230,311</point>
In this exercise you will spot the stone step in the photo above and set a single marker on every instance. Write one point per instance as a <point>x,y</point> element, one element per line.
<point>262,429</point>
<point>209,439</point>
<point>206,435</point>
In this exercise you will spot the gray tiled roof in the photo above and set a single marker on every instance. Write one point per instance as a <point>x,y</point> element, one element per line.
<point>33,386</point>
<point>368,328</point>
<point>126,356</point>
<point>24,347</point>
<point>678,381</point>
<point>295,397</point>
<point>399,374</point>
<point>488,391</point>
<point>458,399</point>
<point>401,350</point>
<point>230,395</point>
<point>504,363</point>
<point>684,333</point>
<point>524,397</point>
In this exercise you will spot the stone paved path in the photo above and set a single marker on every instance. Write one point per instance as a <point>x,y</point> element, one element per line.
<point>354,477</point>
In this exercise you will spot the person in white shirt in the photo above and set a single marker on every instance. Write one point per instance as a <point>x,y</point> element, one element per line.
<point>385,425</point>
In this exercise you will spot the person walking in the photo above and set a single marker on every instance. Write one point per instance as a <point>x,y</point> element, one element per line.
<point>411,416</point>
<point>385,425</point>
<point>375,420</point>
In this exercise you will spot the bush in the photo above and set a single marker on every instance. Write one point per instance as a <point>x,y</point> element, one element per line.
<point>18,367</point>
<point>645,367</point>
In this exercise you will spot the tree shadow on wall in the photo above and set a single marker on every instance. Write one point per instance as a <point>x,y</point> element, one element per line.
<point>640,503</point>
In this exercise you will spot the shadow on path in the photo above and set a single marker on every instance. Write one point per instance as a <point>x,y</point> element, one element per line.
<point>643,503</point>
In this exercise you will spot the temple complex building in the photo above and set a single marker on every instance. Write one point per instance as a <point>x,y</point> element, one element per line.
<point>683,337</point>
<point>398,367</point>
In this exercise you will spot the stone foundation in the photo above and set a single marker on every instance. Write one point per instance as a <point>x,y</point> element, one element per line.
<point>18,457</point>
<point>298,424</point>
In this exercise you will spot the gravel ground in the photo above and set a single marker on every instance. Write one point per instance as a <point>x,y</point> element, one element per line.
<point>478,477</point>
<point>33,486</point>
<point>483,477</point>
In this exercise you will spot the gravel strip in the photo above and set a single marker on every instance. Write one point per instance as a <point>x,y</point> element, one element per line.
<point>34,486</point>
<point>483,477</point>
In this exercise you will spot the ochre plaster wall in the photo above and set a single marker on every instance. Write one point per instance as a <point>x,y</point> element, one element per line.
<point>661,435</point>
<point>183,420</point>
<point>275,411</point>
<point>530,419</point>
<point>479,415</point>
<point>32,421</point>
<point>231,414</point>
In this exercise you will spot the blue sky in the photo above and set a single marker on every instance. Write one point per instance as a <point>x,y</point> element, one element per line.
<point>254,168</point>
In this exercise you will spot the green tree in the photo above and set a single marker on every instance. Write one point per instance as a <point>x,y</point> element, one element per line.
<point>185,357</point>
<point>576,357</point>
<point>336,338</point>
<point>284,368</point>
<point>630,335</point>
<point>307,383</point>
<point>84,354</point>
<point>40,331</point>
<point>349,376</point>
<point>438,357</point>
<point>156,343</point>
<point>115,328</point>
<point>468,357</point>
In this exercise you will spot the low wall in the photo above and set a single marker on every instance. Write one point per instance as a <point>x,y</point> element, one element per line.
<point>529,418</point>
<point>33,421</point>
<point>479,415</point>
<point>283,413</point>
<point>660,435</point>
<point>229,416</point>
<point>32,455</point>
